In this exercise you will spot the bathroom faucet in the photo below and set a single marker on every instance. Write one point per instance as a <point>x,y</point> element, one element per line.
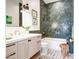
<point>17,32</point>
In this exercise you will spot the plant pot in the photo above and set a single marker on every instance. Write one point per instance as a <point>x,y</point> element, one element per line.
<point>26,32</point>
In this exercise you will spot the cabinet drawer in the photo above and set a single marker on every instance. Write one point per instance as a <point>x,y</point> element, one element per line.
<point>11,48</point>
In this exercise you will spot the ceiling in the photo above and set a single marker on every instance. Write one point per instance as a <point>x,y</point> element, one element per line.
<point>49,1</point>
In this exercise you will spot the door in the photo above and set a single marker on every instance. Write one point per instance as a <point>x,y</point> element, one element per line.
<point>23,50</point>
<point>31,47</point>
<point>34,45</point>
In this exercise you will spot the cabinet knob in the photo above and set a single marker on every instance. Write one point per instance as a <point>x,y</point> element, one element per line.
<point>29,40</point>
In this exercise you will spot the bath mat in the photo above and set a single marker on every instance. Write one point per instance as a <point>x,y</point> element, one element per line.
<point>51,55</point>
<point>54,55</point>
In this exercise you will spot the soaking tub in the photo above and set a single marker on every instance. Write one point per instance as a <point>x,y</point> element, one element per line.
<point>53,43</point>
<point>50,47</point>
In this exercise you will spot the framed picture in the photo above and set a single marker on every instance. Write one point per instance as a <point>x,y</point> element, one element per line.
<point>34,14</point>
<point>8,19</point>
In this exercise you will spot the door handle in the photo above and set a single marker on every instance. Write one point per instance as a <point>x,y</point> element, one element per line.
<point>10,45</point>
<point>11,55</point>
<point>29,40</point>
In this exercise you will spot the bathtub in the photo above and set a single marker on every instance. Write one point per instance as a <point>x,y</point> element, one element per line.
<point>53,43</point>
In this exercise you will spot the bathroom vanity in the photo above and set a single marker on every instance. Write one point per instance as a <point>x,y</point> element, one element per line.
<point>23,46</point>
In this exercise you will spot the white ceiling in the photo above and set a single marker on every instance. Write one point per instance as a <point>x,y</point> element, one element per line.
<point>49,1</point>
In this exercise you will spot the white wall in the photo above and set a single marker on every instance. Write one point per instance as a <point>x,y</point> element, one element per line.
<point>35,4</point>
<point>12,9</point>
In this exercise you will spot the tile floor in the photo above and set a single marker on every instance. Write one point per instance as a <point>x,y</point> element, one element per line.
<point>52,55</point>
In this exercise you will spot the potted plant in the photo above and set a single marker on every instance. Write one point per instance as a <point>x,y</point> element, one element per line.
<point>26,29</point>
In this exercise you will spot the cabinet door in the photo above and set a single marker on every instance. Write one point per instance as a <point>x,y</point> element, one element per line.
<point>34,45</point>
<point>23,50</point>
<point>31,47</point>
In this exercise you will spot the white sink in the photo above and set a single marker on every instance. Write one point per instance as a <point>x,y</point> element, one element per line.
<point>20,37</point>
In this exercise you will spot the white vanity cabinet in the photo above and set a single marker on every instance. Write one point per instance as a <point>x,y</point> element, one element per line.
<point>11,51</point>
<point>34,45</point>
<point>22,49</point>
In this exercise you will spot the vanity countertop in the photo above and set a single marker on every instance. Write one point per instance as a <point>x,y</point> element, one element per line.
<point>21,37</point>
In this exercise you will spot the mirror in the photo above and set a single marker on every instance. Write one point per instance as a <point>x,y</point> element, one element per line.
<point>13,15</point>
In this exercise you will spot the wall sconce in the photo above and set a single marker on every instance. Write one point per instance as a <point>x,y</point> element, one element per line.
<point>26,6</point>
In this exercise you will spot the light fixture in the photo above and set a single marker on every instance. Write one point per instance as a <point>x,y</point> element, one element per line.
<point>26,6</point>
